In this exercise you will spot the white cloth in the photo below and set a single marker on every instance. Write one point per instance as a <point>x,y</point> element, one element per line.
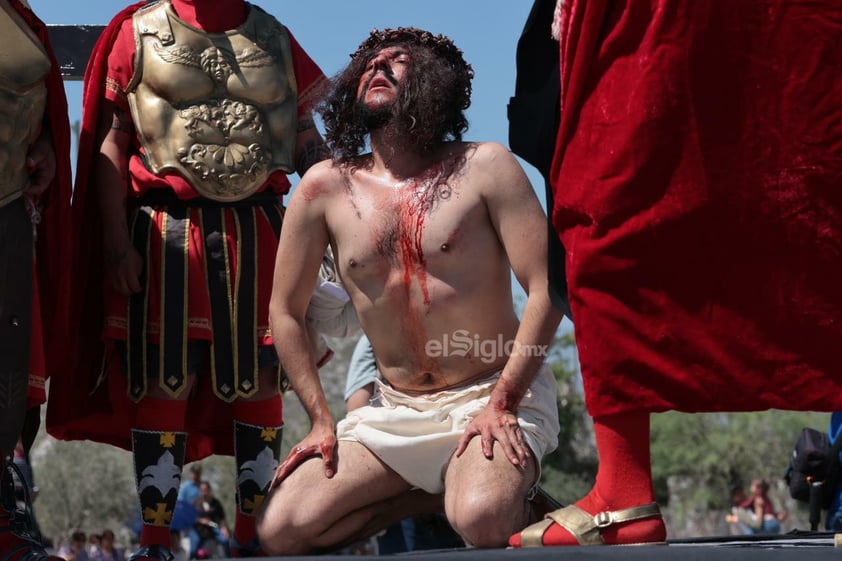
<point>330,311</point>
<point>417,435</point>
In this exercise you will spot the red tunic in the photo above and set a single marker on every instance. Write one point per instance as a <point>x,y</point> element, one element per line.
<point>698,192</point>
<point>51,297</point>
<point>106,414</point>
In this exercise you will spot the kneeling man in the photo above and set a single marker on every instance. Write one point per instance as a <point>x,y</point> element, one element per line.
<point>426,231</point>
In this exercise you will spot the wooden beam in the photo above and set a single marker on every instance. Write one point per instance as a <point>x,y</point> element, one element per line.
<point>73,45</point>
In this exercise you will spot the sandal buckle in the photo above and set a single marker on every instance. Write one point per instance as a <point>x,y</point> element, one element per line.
<point>603,519</point>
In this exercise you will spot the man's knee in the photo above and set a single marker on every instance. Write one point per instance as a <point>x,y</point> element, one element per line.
<point>275,531</point>
<point>483,521</point>
<point>285,526</point>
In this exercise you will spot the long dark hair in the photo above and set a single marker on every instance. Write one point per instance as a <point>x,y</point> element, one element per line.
<point>433,97</point>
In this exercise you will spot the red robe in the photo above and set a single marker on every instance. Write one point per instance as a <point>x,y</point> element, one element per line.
<point>698,192</point>
<point>85,407</point>
<point>51,297</point>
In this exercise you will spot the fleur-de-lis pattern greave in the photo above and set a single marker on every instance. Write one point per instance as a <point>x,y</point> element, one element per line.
<point>158,459</point>
<point>257,450</point>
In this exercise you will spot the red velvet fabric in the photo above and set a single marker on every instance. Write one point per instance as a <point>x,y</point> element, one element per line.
<point>214,16</point>
<point>51,299</point>
<point>85,405</point>
<point>698,193</point>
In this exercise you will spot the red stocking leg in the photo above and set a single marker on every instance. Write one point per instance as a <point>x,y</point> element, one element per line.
<point>623,480</point>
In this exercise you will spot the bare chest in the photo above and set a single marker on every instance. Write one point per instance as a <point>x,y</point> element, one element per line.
<point>411,224</point>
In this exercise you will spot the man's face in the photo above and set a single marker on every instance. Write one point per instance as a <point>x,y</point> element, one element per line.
<point>378,88</point>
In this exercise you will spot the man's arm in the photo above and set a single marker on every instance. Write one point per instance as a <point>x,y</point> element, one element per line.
<point>111,175</point>
<point>512,205</point>
<point>304,238</point>
<point>41,161</point>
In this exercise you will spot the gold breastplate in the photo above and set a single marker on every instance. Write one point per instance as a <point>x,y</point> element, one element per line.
<point>219,108</point>
<point>23,96</point>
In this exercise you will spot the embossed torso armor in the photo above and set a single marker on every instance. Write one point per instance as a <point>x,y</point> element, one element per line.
<point>219,108</point>
<point>24,65</point>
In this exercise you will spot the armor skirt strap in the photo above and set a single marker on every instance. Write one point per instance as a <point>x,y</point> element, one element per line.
<point>136,335</point>
<point>172,363</point>
<point>275,215</point>
<point>245,304</point>
<point>218,266</point>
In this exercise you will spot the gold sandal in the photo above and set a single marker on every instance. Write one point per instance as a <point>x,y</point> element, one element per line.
<point>583,526</point>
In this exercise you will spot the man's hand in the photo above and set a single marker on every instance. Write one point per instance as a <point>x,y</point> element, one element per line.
<point>124,266</point>
<point>317,443</point>
<point>496,425</point>
<point>41,165</point>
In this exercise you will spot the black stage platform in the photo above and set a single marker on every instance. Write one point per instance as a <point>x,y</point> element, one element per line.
<point>794,546</point>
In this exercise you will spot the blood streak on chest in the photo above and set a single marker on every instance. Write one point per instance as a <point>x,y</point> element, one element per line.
<point>412,203</point>
<point>415,202</point>
<point>411,251</point>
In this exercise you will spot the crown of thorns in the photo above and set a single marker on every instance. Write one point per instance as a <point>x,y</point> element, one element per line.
<point>439,44</point>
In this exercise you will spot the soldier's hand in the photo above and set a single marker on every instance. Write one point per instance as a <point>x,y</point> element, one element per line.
<point>41,165</point>
<point>123,267</point>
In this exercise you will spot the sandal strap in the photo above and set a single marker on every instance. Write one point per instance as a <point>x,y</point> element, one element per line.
<point>583,526</point>
<point>608,518</point>
<point>533,535</point>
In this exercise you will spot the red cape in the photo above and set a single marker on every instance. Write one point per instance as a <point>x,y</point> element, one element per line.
<point>81,405</point>
<point>698,192</point>
<point>53,246</point>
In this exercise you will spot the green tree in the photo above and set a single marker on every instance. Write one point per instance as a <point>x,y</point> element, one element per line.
<point>719,450</point>
<point>84,486</point>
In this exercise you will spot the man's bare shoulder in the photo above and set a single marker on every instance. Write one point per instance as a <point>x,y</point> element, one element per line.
<point>323,178</point>
<point>491,150</point>
<point>495,167</point>
<point>326,170</point>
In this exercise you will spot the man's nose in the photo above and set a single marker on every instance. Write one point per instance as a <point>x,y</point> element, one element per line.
<point>380,62</point>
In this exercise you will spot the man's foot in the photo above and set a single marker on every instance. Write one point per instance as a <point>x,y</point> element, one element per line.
<point>151,553</point>
<point>249,549</point>
<point>593,522</point>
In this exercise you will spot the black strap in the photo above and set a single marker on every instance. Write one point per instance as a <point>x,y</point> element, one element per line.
<point>136,336</point>
<point>245,304</point>
<point>172,367</point>
<point>834,453</point>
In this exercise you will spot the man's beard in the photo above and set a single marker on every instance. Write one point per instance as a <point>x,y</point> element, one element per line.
<point>374,118</point>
